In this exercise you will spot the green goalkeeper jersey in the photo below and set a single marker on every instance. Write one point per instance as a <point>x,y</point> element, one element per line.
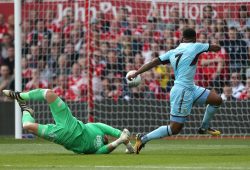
<point>81,138</point>
<point>88,139</point>
<point>73,134</point>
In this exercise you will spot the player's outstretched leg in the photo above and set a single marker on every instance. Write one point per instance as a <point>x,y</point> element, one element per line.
<point>36,94</point>
<point>27,118</point>
<point>29,122</point>
<point>13,95</point>
<point>162,131</point>
<point>214,101</point>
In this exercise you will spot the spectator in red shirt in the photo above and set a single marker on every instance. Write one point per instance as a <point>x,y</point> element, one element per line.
<point>61,86</point>
<point>211,65</point>
<point>51,22</point>
<point>212,68</point>
<point>139,60</point>
<point>26,71</point>
<point>10,24</point>
<point>245,95</point>
<point>77,84</point>
<point>35,81</point>
<point>67,23</point>
<point>3,27</point>
<point>75,76</point>
<point>153,84</point>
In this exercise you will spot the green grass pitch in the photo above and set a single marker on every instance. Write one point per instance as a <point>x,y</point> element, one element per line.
<point>181,154</point>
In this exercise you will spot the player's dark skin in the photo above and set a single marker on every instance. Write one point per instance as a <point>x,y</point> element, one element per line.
<point>213,97</point>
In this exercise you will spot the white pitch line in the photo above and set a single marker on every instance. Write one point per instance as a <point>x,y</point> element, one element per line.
<point>130,167</point>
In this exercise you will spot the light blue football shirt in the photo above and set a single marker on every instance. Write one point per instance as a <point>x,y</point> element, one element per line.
<point>184,59</point>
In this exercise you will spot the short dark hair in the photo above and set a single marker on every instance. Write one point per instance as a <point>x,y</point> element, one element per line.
<point>243,8</point>
<point>189,33</point>
<point>209,6</point>
<point>233,28</point>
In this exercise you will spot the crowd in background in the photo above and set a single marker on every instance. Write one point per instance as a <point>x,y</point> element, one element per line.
<point>54,54</point>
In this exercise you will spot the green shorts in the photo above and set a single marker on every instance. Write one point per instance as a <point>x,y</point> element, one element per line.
<point>66,128</point>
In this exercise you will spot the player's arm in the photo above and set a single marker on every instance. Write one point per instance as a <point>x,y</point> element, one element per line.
<point>214,48</point>
<point>105,149</point>
<point>155,62</point>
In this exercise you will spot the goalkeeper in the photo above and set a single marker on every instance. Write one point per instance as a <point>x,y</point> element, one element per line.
<point>73,134</point>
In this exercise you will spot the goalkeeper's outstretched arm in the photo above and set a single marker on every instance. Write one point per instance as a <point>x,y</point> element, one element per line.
<point>123,139</point>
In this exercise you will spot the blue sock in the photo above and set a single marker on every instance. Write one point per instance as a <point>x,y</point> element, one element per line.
<point>209,114</point>
<point>160,132</point>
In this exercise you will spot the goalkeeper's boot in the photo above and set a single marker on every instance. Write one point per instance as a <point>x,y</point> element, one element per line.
<point>209,131</point>
<point>138,143</point>
<point>13,95</point>
<point>129,148</point>
<point>24,107</point>
<point>125,136</point>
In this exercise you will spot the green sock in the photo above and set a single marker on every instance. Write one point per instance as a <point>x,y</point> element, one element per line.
<point>27,118</point>
<point>37,94</point>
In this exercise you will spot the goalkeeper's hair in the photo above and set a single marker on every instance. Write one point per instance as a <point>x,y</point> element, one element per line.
<point>189,33</point>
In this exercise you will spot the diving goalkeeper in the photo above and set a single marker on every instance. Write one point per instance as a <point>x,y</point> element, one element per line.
<point>67,131</point>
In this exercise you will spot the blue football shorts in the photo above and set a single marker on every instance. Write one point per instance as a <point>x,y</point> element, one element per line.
<point>182,99</point>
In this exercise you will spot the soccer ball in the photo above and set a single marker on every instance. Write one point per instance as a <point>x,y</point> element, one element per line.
<point>134,82</point>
